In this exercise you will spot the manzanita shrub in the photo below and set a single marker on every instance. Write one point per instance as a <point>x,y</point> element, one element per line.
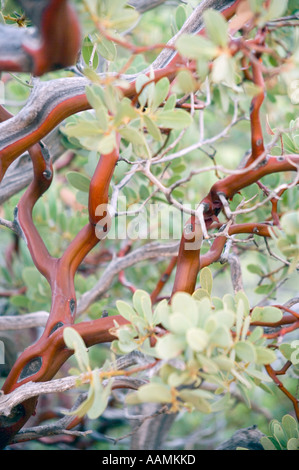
<point>150,217</point>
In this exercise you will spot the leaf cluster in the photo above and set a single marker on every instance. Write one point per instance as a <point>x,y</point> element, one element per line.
<point>199,339</point>
<point>283,435</point>
<point>115,114</point>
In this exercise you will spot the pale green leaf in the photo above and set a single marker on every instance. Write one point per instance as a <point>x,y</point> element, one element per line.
<point>293,444</point>
<point>200,294</point>
<point>221,337</point>
<point>197,339</point>
<point>290,426</point>
<point>216,27</point>
<point>257,374</point>
<point>184,303</point>
<point>245,351</point>
<point>206,279</point>
<point>169,346</point>
<point>196,399</point>
<point>101,396</point>
<point>264,355</point>
<point>87,51</point>
<point>223,70</point>
<point>177,119</point>
<point>74,341</point>
<point>106,48</point>
<point>132,135</point>
<point>152,128</point>
<point>155,393</point>
<point>161,92</point>
<point>196,47</point>
<point>266,314</point>
<point>137,301</point>
<point>96,97</point>
<point>125,310</point>
<point>267,443</point>
<point>185,82</point>
<point>178,323</point>
<point>162,313</point>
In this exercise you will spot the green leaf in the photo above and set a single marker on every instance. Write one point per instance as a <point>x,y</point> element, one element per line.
<point>87,51</point>
<point>31,277</point>
<point>241,296</point>
<point>266,314</point>
<point>194,397</point>
<point>224,363</point>
<point>290,426</point>
<point>216,27</point>
<point>161,92</point>
<point>143,192</point>
<point>206,280</point>
<point>155,393</point>
<point>138,297</point>
<point>256,334</point>
<point>146,304</point>
<point>293,444</point>
<point>221,404</point>
<point>255,269</point>
<point>223,70</point>
<point>242,380</point>
<point>106,144</point>
<point>184,303</point>
<point>170,103</point>
<point>162,313</point>
<point>239,318</point>
<point>101,396</point>
<point>178,323</point>
<point>277,9</point>
<point>180,16</point>
<point>152,128</point>
<point>106,48</point>
<point>177,119</point>
<point>132,135</point>
<point>264,355</point>
<point>257,374</point>
<point>268,443</point>
<point>125,110</point>
<point>197,339</point>
<point>229,302</point>
<point>78,181</point>
<point>125,310</point>
<point>96,96</point>
<point>245,351</point>
<point>20,301</point>
<point>147,90</point>
<point>169,346</point>
<point>225,317</point>
<point>126,19</point>
<point>279,434</point>
<point>83,409</point>
<point>74,341</point>
<point>200,294</point>
<point>286,349</point>
<point>196,47</point>
<point>290,223</point>
<point>185,82</point>
<point>221,337</point>
<point>264,289</point>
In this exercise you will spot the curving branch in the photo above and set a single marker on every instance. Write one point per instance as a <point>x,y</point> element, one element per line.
<point>53,43</point>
